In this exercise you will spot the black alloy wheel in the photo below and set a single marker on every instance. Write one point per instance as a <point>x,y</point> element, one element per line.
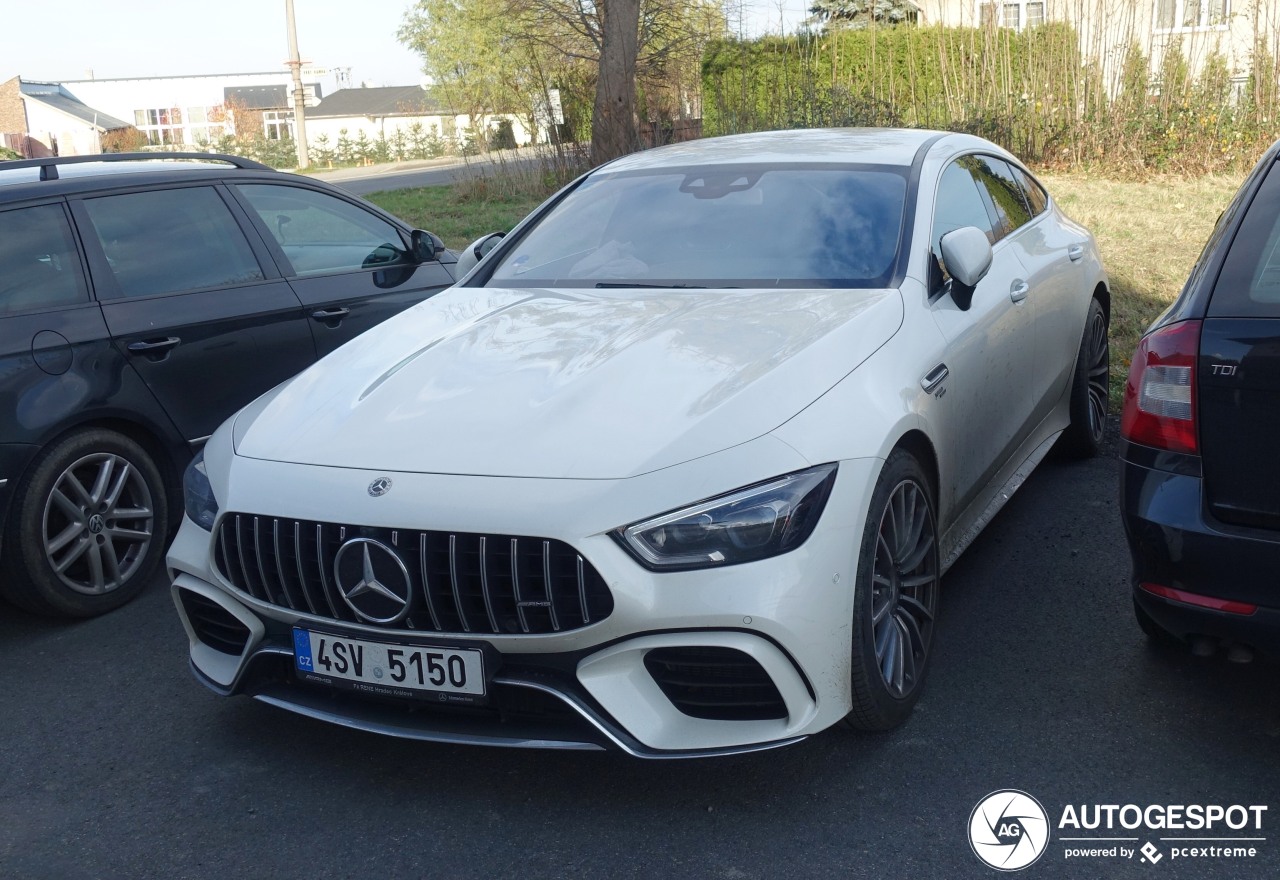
<point>88,528</point>
<point>896,597</point>
<point>1090,388</point>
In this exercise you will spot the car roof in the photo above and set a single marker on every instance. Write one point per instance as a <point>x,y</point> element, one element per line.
<point>22,179</point>
<point>870,146</point>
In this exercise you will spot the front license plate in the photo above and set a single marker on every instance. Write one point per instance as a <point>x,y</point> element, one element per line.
<point>390,670</point>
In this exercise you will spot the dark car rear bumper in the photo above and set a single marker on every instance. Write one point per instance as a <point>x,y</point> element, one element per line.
<point>1175,544</point>
<point>14,460</point>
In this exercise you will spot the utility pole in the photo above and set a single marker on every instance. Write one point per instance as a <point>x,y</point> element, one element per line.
<point>299,95</point>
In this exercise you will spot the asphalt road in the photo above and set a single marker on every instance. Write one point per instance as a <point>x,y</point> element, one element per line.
<point>361,181</point>
<point>116,763</point>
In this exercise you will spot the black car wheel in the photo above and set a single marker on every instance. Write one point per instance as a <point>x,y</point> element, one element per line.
<point>88,527</point>
<point>896,597</point>
<point>1090,388</point>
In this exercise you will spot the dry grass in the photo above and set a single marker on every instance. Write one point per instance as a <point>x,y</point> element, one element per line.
<point>1150,234</point>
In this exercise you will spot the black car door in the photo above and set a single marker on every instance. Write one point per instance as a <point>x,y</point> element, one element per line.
<point>195,304</point>
<point>350,266</point>
<point>56,358</point>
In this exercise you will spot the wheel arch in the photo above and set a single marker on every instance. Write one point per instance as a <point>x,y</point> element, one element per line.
<point>165,454</point>
<point>1103,295</point>
<point>918,444</point>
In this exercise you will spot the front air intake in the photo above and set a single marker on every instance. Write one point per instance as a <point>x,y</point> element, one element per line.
<point>722,684</point>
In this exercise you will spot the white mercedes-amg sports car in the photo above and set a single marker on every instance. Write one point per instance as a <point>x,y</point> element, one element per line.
<point>677,467</point>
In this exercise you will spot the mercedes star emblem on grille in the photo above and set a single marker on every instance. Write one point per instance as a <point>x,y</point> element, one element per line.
<point>372,580</point>
<point>380,487</point>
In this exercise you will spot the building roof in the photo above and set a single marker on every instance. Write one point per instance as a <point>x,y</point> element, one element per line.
<point>257,97</point>
<point>53,95</point>
<point>384,101</point>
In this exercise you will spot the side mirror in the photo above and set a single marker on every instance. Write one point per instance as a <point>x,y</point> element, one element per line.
<point>476,251</point>
<point>426,246</point>
<point>966,253</point>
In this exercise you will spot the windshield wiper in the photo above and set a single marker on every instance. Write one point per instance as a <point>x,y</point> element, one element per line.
<point>600,284</point>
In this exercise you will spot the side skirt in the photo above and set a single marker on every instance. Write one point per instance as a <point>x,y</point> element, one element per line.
<point>1007,481</point>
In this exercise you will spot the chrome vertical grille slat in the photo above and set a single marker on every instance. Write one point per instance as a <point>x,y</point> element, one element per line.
<point>322,565</point>
<point>426,583</point>
<point>515,584</point>
<point>284,582</point>
<point>453,581</point>
<point>458,582</point>
<point>546,579</point>
<point>582,593</point>
<point>244,569</point>
<point>484,584</point>
<point>302,578</point>
<point>257,551</point>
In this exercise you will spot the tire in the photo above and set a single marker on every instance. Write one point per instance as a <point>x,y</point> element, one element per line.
<point>1090,387</point>
<point>88,527</point>
<point>895,597</point>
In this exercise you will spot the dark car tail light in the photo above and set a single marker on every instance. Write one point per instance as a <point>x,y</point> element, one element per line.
<point>1160,394</point>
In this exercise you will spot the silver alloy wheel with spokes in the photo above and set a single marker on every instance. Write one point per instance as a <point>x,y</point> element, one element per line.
<point>904,594</point>
<point>1098,351</point>
<point>98,523</point>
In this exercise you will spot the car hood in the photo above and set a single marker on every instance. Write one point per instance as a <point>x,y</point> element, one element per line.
<point>593,384</point>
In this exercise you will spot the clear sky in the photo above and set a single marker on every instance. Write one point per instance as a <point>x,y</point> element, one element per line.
<point>67,39</point>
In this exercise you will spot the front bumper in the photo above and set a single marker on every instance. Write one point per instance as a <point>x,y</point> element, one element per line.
<point>1175,543</point>
<point>788,617</point>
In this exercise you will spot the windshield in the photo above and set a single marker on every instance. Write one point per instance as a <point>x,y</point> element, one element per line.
<point>727,226</point>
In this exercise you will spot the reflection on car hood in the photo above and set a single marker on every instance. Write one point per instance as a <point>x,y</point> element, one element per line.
<point>599,384</point>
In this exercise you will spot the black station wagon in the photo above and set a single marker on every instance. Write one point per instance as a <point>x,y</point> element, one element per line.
<point>143,299</point>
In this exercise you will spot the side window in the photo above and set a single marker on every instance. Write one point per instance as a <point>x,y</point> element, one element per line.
<point>39,267</point>
<point>959,204</point>
<point>171,240</point>
<point>1037,198</point>
<point>998,180</point>
<point>320,233</point>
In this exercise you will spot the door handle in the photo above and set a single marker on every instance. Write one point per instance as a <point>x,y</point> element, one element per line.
<point>1018,290</point>
<point>154,346</point>
<point>1075,252</point>
<point>330,314</point>
<point>934,378</point>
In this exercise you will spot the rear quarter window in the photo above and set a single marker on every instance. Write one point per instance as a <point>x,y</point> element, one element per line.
<point>39,266</point>
<point>1249,285</point>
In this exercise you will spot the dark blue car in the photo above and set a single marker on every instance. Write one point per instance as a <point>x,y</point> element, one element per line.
<point>1200,484</point>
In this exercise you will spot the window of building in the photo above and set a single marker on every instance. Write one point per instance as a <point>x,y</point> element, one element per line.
<point>1172,15</point>
<point>277,124</point>
<point>162,126</point>
<point>1016,14</point>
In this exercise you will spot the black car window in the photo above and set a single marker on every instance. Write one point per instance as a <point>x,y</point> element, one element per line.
<point>1249,285</point>
<point>171,240</point>
<point>1037,198</point>
<point>39,267</point>
<point>998,180</point>
<point>717,226</point>
<point>959,203</point>
<point>320,233</point>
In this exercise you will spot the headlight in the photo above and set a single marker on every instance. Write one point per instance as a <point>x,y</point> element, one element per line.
<point>755,522</point>
<point>197,494</point>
